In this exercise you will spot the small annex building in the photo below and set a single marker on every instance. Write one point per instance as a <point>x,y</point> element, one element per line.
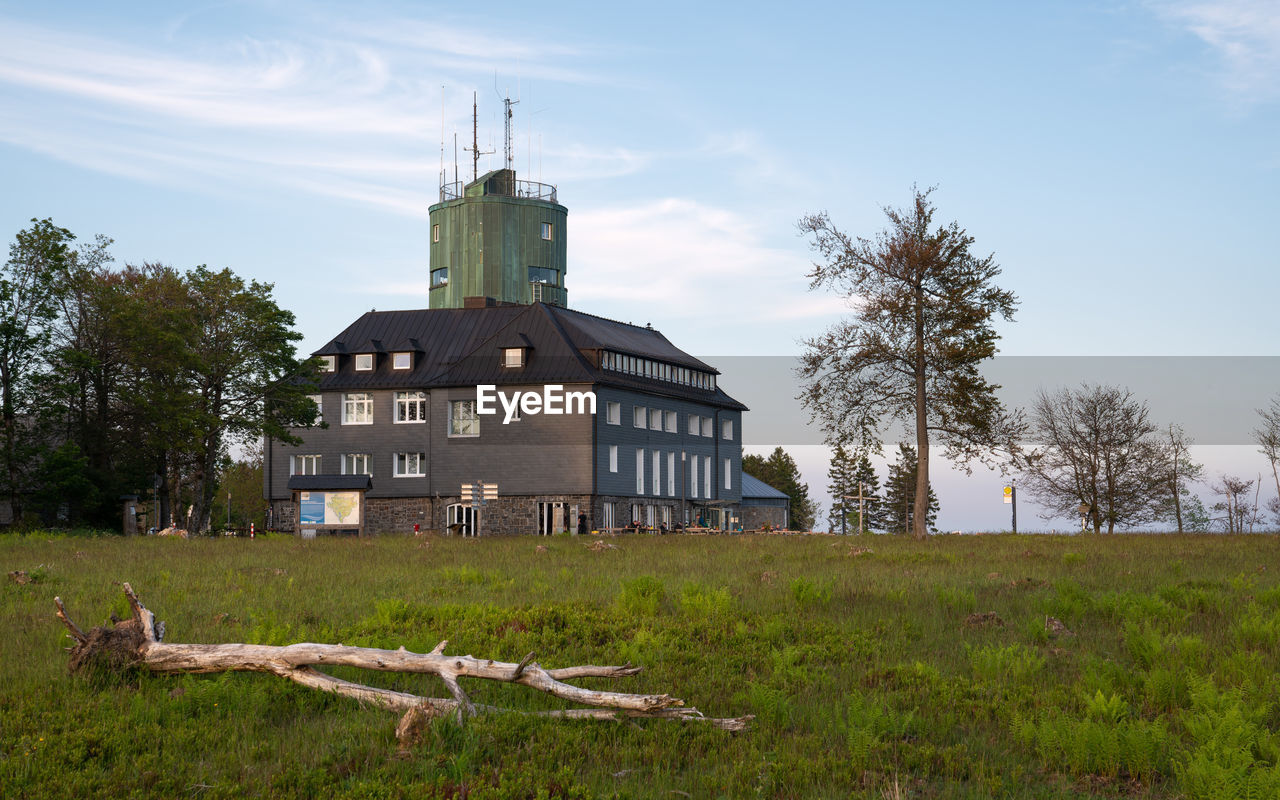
<point>763,507</point>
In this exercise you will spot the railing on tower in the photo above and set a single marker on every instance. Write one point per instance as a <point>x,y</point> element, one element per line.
<point>456,190</point>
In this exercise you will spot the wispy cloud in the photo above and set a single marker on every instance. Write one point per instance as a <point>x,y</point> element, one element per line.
<point>1245,35</point>
<point>678,258</point>
<point>333,107</point>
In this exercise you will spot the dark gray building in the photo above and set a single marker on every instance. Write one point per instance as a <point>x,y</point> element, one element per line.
<point>567,413</point>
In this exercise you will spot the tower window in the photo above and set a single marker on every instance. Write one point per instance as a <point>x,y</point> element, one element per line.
<point>547,230</point>
<point>545,275</point>
<point>439,277</point>
<point>435,233</point>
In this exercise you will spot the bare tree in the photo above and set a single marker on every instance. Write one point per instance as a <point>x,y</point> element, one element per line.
<point>925,307</point>
<point>1239,516</point>
<point>1268,437</point>
<point>1097,449</point>
<point>1180,470</point>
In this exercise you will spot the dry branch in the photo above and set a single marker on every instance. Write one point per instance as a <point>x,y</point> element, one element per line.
<point>138,642</point>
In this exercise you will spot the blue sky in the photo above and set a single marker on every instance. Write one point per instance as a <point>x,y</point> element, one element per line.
<point>1119,158</point>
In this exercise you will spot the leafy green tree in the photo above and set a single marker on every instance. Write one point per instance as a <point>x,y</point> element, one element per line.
<point>900,504</point>
<point>846,473</point>
<point>780,471</point>
<point>240,490</point>
<point>29,291</point>
<point>926,307</point>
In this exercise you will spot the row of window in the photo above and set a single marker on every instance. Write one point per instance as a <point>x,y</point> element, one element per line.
<point>403,465</point>
<point>656,419</point>
<point>650,516</point>
<point>655,475</point>
<point>363,362</point>
<point>658,370</point>
<point>410,407</point>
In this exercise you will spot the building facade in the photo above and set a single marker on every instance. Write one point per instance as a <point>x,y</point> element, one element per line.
<point>613,422</point>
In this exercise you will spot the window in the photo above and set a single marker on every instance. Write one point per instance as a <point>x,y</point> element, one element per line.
<point>613,413</point>
<point>410,465</point>
<point>635,513</point>
<point>671,421</point>
<point>693,424</point>
<point>639,470</point>
<point>728,481</point>
<point>357,409</point>
<point>655,419</point>
<point>411,406</point>
<point>402,361</point>
<point>439,277</point>
<point>613,458</point>
<point>356,464</point>
<point>638,417</point>
<point>609,517</point>
<point>671,474</point>
<point>462,418</point>
<point>706,477</point>
<point>435,233</point>
<point>657,473</point>
<point>319,401</point>
<point>328,363</point>
<point>651,516</point>
<point>706,426</point>
<point>547,230</point>
<point>665,515</point>
<point>546,275</point>
<point>304,465</point>
<point>693,477</point>
<point>726,429</point>
<point>364,362</point>
<point>513,357</point>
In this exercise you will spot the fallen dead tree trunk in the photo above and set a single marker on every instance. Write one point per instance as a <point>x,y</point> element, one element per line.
<point>137,642</point>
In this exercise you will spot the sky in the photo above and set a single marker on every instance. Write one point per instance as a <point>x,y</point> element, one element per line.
<point>1120,159</point>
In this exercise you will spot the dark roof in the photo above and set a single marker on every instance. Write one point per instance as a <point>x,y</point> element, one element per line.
<point>329,483</point>
<point>459,347</point>
<point>757,489</point>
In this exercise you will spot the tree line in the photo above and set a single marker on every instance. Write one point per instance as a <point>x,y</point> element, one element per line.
<point>923,321</point>
<point>134,380</point>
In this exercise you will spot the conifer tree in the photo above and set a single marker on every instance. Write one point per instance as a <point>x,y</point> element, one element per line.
<point>900,495</point>
<point>846,473</point>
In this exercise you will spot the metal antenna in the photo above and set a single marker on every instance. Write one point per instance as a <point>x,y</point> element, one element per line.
<point>506,145</point>
<point>475,144</point>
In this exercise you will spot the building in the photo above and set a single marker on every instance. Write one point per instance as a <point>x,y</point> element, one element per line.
<point>612,422</point>
<point>407,421</point>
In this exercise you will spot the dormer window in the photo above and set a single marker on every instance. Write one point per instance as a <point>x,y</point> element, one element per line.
<point>364,362</point>
<point>402,361</point>
<point>512,357</point>
<point>328,363</point>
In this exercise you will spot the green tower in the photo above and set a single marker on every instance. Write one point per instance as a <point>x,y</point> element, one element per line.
<point>500,238</point>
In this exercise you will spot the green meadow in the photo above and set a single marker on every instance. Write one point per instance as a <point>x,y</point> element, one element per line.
<point>875,666</point>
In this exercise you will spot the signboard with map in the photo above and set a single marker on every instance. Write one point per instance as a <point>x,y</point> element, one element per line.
<point>329,508</point>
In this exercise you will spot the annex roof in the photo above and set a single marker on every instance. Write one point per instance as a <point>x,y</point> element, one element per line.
<point>755,488</point>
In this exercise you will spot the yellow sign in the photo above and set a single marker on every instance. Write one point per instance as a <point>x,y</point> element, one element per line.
<point>1008,494</point>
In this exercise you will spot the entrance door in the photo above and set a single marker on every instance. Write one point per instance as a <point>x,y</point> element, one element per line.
<point>553,518</point>
<point>461,518</point>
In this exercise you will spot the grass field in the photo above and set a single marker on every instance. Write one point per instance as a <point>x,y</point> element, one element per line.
<point>859,657</point>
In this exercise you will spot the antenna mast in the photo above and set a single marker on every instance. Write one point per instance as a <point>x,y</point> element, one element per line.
<point>506,145</point>
<point>475,144</point>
